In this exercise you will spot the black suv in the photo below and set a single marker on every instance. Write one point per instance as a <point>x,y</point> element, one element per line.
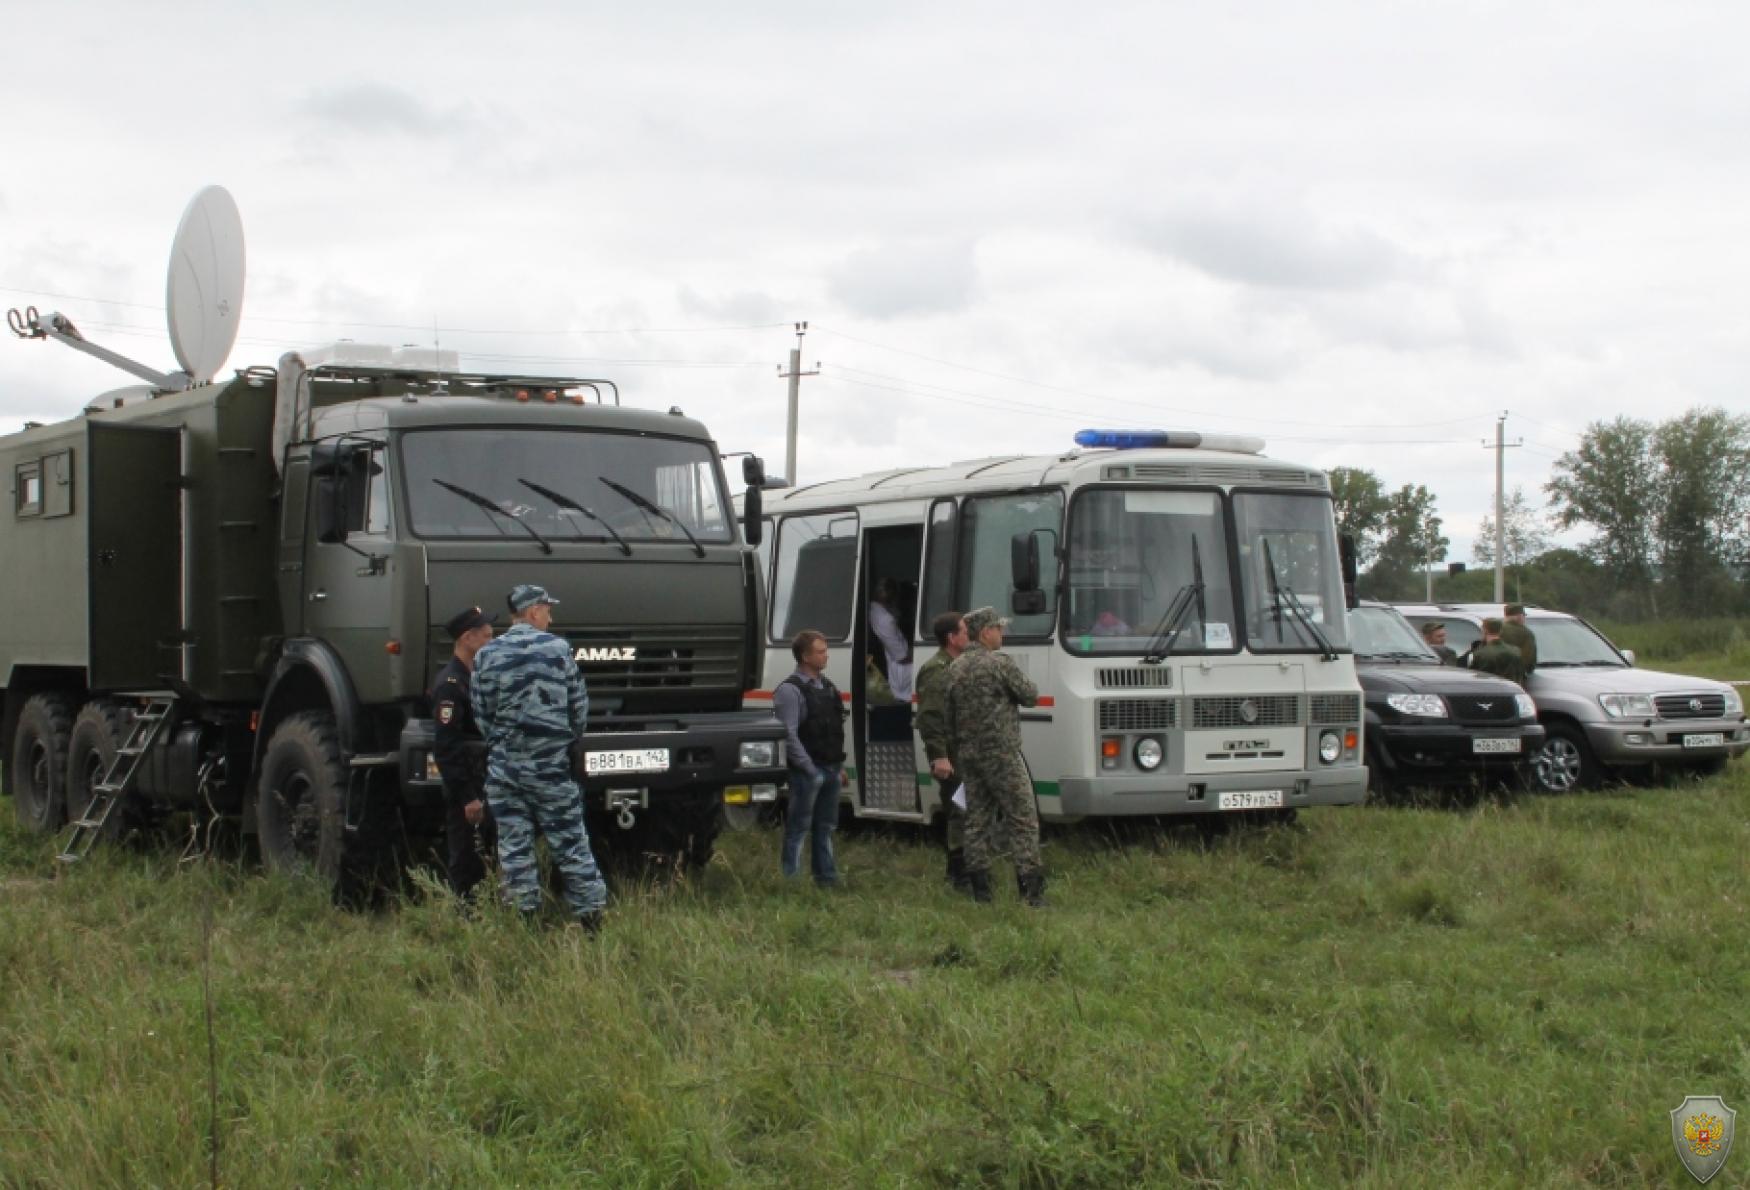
<point>1429,723</point>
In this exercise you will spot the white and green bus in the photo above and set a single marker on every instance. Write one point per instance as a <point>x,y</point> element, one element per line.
<point>1178,599</point>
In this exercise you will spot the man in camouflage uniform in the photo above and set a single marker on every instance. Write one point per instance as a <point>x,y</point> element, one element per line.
<point>1515,633</point>
<point>531,704</point>
<point>932,724</point>
<point>1494,655</point>
<point>985,691</point>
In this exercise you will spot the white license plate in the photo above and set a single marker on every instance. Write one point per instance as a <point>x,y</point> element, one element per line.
<point>1495,745</point>
<point>1711,739</point>
<point>1251,799</point>
<point>637,760</point>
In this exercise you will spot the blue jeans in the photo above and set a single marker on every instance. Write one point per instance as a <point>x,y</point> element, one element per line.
<point>813,811</point>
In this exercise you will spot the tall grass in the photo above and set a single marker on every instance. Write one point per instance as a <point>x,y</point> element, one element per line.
<point>1717,647</point>
<point>1510,994</point>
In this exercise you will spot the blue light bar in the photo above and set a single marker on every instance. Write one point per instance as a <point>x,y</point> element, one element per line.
<point>1168,439</point>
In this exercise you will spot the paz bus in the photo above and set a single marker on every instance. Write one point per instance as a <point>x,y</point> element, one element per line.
<point>1178,599</point>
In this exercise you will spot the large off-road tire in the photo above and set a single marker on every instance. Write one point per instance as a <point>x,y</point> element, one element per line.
<point>1565,763</point>
<point>300,808</point>
<point>38,781</point>
<point>99,730</point>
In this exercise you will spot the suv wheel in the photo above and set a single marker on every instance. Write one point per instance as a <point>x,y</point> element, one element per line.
<point>1565,762</point>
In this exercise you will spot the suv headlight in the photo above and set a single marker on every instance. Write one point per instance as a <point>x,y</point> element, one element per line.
<point>1734,702</point>
<point>1627,706</point>
<point>757,754</point>
<point>1527,708</point>
<point>1417,704</point>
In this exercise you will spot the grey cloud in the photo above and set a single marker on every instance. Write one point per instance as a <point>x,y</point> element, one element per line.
<point>1277,250</point>
<point>740,308</point>
<point>377,109</point>
<point>902,279</point>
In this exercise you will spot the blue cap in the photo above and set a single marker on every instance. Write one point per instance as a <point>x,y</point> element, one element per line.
<point>523,596</point>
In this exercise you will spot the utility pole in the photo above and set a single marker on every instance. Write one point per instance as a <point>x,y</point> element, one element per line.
<point>1500,448</point>
<point>1428,559</point>
<point>795,375</point>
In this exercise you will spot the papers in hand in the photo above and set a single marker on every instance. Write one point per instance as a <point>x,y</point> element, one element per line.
<point>958,797</point>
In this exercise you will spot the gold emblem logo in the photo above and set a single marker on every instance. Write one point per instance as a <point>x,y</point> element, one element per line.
<point>1701,1128</point>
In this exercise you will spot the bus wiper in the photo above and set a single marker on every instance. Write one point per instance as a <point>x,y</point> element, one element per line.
<point>1282,596</point>
<point>564,501</point>
<point>479,501</point>
<point>1166,633</point>
<point>648,505</point>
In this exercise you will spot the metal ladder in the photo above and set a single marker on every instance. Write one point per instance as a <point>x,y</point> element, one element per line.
<point>117,777</point>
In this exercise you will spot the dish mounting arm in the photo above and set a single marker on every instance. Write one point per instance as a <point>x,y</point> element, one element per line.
<point>31,325</point>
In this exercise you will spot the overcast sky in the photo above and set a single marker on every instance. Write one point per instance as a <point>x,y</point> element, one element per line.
<point>1359,230</point>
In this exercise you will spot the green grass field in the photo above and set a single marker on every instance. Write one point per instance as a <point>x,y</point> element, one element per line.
<point>1501,994</point>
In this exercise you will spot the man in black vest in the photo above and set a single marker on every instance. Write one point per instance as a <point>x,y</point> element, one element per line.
<point>460,753</point>
<point>812,712</point>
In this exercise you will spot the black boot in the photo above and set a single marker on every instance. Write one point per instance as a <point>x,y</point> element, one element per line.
<point>957,870</point>
<point>1032,886</point>
<point>590,923</point>
<point>978,884</point>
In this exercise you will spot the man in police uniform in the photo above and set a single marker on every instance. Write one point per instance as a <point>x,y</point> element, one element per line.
<point>986,690</point>
<point>532,705</point>
<point>461,754</point>
<point>932,725</point>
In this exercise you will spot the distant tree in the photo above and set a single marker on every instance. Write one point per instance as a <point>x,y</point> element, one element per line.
<point>1526,532</point>
<point>1412,541</point>
<point>1612,484</point>
<point>1704,495</point>
<point>1362,505</point>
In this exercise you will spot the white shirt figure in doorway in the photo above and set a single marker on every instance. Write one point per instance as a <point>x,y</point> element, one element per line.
<point>884,627</point>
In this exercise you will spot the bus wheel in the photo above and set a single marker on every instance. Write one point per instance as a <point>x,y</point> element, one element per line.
<point>300,804</point>
<point>38,782</point>
<point>98,733</point>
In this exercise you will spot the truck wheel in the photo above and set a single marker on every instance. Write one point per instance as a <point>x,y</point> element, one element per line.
<point>99,730</point>
<point>39,763</point>
<point>300,805</point>
<point>1566,762</point>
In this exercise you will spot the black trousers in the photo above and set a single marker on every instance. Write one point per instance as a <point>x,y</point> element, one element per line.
<point>468,846</point>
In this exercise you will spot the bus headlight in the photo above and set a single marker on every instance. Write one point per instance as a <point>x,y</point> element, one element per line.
<point>757,754</point>
<point>1149,753</point>
<point>1330,747</point>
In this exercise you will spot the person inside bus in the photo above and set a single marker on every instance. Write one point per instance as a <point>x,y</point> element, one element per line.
<point>884,625</point>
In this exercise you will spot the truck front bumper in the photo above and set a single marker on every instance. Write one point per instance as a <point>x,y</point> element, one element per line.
<point>1645,741</point>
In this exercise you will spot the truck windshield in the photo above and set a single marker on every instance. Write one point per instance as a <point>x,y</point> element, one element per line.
<point>1290,579</point>
<point>1131,552</point>
<point>509,467</point>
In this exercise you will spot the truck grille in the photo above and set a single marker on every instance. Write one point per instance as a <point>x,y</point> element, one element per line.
<point>1469,708</point>
<point>1130,679</point>
<point>1265,710</point>
<point>1137,714</point>
<point>670,669</point>
<point>1336,708</point>
<point>1690,706</point>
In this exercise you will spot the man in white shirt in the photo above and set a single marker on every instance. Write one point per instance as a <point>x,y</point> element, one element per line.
<point>884,627</point>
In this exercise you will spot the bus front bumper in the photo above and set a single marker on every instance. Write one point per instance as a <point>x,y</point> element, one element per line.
<point>1082,797</point>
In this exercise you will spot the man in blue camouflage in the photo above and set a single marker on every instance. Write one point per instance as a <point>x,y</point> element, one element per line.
<point>531,704</point>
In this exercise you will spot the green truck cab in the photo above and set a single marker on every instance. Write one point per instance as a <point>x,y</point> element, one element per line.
<point>265,562</point>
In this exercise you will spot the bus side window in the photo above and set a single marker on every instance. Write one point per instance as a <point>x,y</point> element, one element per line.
<point>987,524</point>
<point>817,575</point>
<point>938,594</point>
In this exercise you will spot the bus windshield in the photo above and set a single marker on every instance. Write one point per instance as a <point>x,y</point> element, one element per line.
<point>1290,580</point>
<point>1136,552</point>
<point>566,485</point>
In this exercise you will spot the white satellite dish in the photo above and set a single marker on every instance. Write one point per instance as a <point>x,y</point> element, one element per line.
<point>203,295</point>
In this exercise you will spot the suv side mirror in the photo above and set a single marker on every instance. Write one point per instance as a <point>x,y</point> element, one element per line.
<point>1629,655</point>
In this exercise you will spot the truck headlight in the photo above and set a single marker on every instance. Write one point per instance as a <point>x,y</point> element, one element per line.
<point>757,754</point>
<point>1417,704</point>
<point>1527,708</point>
<point>1149,753</point>
<point>1627,706</point>
<point>1330,747</point>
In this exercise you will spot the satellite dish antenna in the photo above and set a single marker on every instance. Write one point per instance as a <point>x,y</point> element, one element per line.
<point>203,294</point>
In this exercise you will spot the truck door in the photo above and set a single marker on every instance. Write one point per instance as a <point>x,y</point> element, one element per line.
<point>347,594</point>
<point>135,552</point>
<point>881,703</point>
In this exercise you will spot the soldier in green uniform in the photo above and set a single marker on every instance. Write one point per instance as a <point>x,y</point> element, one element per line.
<point>1515,633</point>
<point>1494,655</point>
<point>986,690</point>
<point>931,684</point>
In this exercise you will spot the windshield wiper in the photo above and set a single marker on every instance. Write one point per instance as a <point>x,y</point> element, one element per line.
<point>479,501</point>
<point>649,505</point>
<point>564,501</point>
<point>1282,596</point>
<point>1166,633</point>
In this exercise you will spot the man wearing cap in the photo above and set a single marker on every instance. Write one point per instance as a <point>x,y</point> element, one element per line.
<point>1494,655</point>
<point>986,690</point>
<point>1515,633</point>
<point>461,754</point>
<point>1434,633</point>
<point>532,704</point>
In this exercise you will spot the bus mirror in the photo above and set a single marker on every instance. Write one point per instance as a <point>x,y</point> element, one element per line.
<point>1346,554</point>
<point>1024,562</point>
<point>1027,603</point>
<point>753,521</point>
<point>330,493</point>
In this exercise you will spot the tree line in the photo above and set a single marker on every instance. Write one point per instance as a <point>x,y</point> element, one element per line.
<point>1667,504</point>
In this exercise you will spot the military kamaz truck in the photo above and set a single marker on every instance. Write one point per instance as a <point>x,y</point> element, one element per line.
<point>227,600</point>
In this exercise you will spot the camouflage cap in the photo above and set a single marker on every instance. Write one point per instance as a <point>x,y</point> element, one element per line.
<point>984,617</point>
<point>523,596</point>
<point>467,621</point>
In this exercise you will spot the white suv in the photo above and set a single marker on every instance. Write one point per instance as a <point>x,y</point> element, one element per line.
<point>1599,712</point>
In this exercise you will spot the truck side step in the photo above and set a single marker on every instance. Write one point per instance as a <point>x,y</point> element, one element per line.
<point>118,776</point>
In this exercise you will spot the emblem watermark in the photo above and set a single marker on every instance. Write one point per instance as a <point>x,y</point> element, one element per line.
<point>1701,1128</point>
